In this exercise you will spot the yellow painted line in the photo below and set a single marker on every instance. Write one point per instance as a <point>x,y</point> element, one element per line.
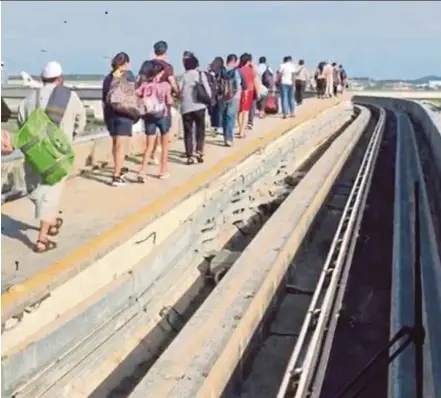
<point>16,294</point>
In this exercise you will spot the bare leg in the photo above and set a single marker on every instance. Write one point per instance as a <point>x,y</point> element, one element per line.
<point>153,159</point>
<point>149,147</point>
<point>119,151</point>
<point>242,119</point>
<point>163,168</point>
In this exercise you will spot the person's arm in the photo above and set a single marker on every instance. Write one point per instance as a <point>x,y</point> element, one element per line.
<point>172,81</point>
<point>293,74</point>
<point>80,113</point>
<point>257,83</point>
<point>168,96</point>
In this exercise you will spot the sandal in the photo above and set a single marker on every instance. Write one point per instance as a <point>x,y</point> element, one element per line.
<point>200,158</point>
<point>164,176</point>
<point>54,230</point>
<point>190,161</point>
<point>141,178</point>
<point>47,246</point>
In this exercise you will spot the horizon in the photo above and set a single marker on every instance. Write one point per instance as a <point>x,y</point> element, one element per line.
<point>338,31</point>
<point>36,75</point>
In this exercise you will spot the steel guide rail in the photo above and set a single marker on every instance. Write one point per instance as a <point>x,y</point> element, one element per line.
<point>116,311</point>
<point>201,360</point>
<point>408,171</point>
<point>325,305</point>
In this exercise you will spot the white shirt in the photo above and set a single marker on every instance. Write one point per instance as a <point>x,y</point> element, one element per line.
<point>328,70</point>
<point>287,70</point>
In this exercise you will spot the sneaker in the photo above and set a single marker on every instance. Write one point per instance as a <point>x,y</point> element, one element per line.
<point>117,182</point>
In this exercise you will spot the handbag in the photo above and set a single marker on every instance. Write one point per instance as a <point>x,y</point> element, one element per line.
<point>123,99</point>
<point>201,94</point>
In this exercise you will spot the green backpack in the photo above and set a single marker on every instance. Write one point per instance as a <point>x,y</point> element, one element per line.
<point>45,146</point>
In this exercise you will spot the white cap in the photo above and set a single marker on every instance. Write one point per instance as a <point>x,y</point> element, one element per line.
<point>51,70</point>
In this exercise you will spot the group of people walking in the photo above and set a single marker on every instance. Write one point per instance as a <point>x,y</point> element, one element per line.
<point>231,92</point>
<point>330,79</point>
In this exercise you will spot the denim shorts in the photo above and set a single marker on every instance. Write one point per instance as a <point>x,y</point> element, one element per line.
<point>119,126</point>
<point>151,123</point>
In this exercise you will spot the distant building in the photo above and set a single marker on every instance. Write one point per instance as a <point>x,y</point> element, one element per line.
<point>434,84</point>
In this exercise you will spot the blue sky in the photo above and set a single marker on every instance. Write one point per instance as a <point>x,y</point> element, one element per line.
<point>399,39</point>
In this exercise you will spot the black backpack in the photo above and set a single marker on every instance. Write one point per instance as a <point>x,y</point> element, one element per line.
<point>268,78</point>
<point>230,86</point>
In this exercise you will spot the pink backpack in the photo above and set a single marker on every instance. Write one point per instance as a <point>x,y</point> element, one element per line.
<point>153,97</point>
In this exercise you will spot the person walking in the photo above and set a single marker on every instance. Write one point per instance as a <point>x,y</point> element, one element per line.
<point>235,84</point>
<point>119,125</point>
<point>193,111</point>
<point>301,79</point>
<point>65,109</point>
<point>286,74</point>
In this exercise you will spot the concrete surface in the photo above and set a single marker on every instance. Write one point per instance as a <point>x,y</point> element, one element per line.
<point>88,215</point>
<point>91,149</point>
<point>201,359</point>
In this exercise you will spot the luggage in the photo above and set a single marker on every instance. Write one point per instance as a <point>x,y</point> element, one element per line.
<point>123,99</point>
<point>45,147</point>
<point>272,105</point>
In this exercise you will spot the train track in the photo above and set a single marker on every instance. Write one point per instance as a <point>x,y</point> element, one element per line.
<point>248,297</point>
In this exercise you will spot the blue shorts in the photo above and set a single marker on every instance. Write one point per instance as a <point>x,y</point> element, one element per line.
<point>119,126</point>
<point>151,123</point>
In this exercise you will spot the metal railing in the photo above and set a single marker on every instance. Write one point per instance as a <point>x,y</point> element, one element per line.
<point>307,353</point>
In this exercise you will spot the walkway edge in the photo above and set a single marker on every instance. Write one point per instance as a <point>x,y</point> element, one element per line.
<point>21,295</point>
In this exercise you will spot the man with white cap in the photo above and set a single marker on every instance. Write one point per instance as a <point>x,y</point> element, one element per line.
<point>71,115</point>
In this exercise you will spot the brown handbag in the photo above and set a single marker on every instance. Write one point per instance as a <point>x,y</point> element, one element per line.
<point>122,97</point>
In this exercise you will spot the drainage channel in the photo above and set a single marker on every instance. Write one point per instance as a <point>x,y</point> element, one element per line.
<point>132,320</point>
<point>210,355</point>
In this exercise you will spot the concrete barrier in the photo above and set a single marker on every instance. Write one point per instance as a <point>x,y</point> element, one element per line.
<point>429,120</point>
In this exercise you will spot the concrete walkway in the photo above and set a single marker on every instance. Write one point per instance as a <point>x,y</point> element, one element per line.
<point>98,217</point>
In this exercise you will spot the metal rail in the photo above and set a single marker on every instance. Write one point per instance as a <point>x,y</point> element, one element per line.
<point>326,302</point>
<point>402,377</point>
